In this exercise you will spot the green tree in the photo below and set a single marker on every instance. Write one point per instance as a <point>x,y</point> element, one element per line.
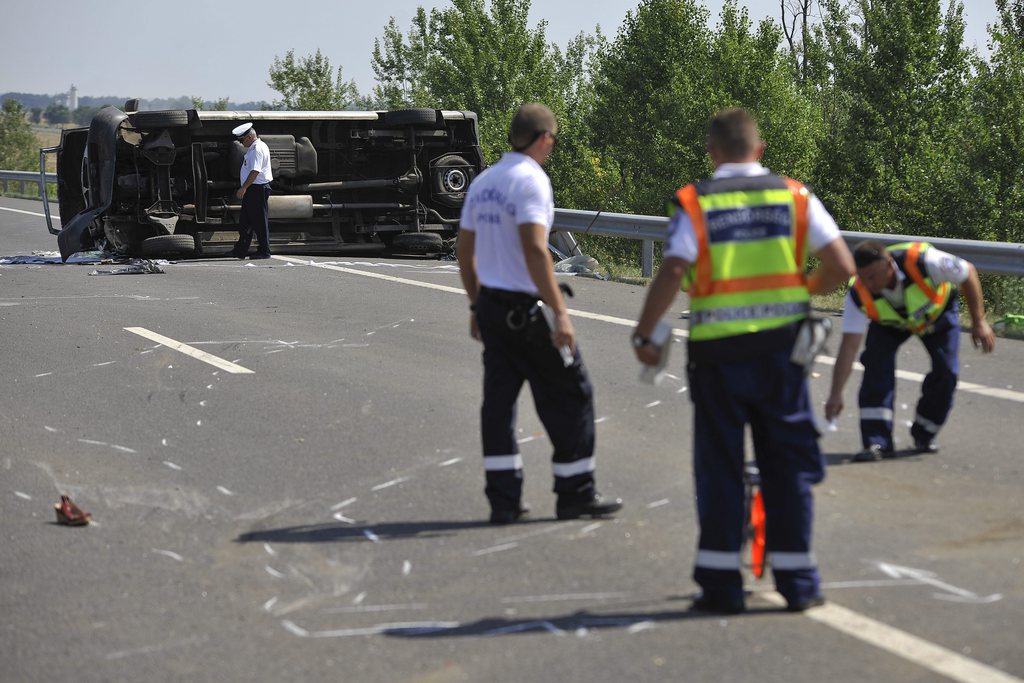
<point>56,114</point>
<point>19,150</point>
<point>309,83</point>
<point>401,67</point>
<point>198,103</point>
<point>897,78</point>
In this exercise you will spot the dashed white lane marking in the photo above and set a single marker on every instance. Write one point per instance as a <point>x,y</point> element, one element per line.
<point>495,549</point>
<point>388,484</point>
<point>123,449</point>
<point>911,648</point>
<point>220,363</point>
<point>168,553</point>
<point>93,442</point>
<point>43,374</point>
<point>626,322</point>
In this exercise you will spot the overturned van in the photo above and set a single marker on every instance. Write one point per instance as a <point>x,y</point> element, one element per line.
<point>162,183</point>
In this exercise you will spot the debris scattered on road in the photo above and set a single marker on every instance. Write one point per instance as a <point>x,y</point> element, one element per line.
<point>70,514</point>
<point>136,267</point>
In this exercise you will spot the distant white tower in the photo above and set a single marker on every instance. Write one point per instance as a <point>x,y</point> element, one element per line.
<point>73,98</point>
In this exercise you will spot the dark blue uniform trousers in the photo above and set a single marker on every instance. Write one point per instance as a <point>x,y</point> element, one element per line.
<point>563,397</point>
<point>878,391</point>
<point>770,394</point>
<point>254,219</point>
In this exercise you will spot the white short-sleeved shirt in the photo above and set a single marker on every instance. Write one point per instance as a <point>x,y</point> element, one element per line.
<point>257,157</point>
<point>682,243</point>
<point>513,192</point>
<point>941,267</point>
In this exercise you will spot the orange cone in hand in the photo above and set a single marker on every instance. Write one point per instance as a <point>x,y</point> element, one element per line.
<point>70,514</point>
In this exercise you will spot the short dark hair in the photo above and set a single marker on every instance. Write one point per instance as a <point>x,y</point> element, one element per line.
<point>530,122</point>
<point>868,252</point>
<point>733,132</point>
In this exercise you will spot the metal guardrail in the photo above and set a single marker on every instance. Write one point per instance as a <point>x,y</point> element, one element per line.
<point>22,177</point>
<point>994,258</point>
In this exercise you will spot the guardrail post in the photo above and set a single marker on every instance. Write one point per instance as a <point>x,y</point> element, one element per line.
<point>647,258</point>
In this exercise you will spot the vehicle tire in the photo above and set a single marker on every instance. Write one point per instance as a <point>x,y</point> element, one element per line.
<point>452,176</point>
<point>417,243</point>
<point>168,245</point>
<point>410,117</point>
<point>170,118</point>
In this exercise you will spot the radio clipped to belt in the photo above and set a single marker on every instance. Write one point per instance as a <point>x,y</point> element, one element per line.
<point>537,323</point>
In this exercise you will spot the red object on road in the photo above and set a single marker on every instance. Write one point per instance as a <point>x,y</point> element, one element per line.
<point>70,514</point>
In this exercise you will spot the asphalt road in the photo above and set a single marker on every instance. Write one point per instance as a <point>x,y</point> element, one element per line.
<point>321,518</point>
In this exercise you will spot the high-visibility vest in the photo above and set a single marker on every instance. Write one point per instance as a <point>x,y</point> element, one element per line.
<point>749,275</point>
<point>923,300</point>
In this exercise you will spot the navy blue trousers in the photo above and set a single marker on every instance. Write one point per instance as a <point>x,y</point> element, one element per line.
<point>254,218</point>
<point>770,394</point>
<point>563,397</point>
<point>878,391</point>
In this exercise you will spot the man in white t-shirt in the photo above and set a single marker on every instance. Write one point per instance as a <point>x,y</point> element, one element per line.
<point>508,275</point>
<point>254,193</point>
<point>902,291</point>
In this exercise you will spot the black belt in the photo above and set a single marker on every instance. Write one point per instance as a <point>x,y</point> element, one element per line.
<point>509,297</point>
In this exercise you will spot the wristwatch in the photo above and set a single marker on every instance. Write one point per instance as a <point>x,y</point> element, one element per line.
<point>639,341</point>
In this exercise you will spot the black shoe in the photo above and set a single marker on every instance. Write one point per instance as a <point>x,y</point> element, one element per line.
<point>873,453</point>
<point>925,447</point>
<point>711,605</point>
<point>804,604</point>
<point>596,506</point>
<point>259,255</point>
<point>508,516</point>
<point>233,254</point>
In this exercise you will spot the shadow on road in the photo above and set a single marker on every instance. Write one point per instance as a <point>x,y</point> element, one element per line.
<point>332,533</point>
<point>832,459</point>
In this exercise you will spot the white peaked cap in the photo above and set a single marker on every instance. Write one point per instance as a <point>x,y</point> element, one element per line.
<point>242,130</point>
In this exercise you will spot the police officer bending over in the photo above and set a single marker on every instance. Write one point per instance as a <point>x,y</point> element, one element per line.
<point>902,291</point>
<point>748,234</point>
<point>508,275</point>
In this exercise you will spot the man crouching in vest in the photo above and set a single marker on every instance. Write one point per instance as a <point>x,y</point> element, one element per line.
<point>901,291</point>
<point>745,236</point>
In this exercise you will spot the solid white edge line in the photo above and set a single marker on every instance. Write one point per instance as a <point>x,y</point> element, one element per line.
<point>28,213</point>
<point>991,392</point>
<point>216,362</point>
<point>902,644</point>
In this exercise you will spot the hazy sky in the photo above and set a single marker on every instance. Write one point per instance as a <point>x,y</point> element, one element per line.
<point>214,49</point>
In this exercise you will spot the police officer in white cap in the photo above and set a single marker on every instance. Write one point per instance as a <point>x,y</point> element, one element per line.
<point>254,178</point>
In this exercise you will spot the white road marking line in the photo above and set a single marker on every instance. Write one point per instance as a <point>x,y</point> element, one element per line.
<point>270,551</point>
<point>27,213</point>
<point>43,374</point>
<point>388,484</point>
<point>123,449</point>
<point>19,494</point>
<point>172,465</point>
<point>100,365</point>
<point>50,429</point>
<point>652,404</point>
<point>495,549</point>
<point>273,572</point>
<point>626,322</point>
<point>562,597</point>
<point>902,644</point>
<point>448,463</point>
<point>658,503</point>
<point>344,503</point>
<point>168,553</point>
<point>91,442</point>
<point>190,351</point>
<point>342,518</point>
<point>225,491</point>
<point>407,627</point>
